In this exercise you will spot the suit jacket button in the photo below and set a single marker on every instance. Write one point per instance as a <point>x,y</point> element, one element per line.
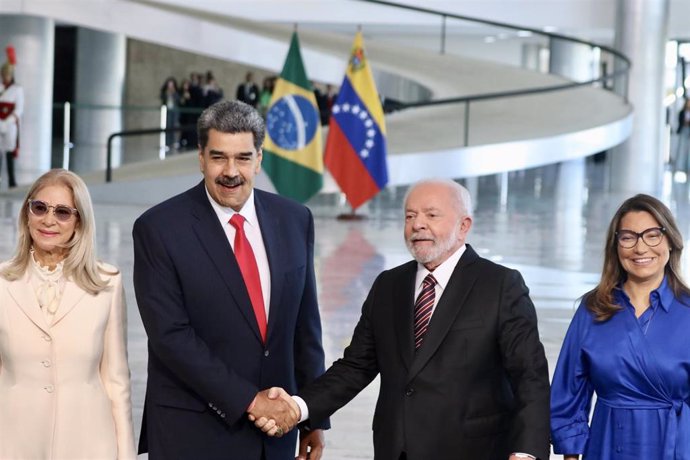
<point>266,353</point>
<point>47,338</point>
<point>46,363</point>
<point>409,392</point>
<point>49,388</point>
<point>222,415</point>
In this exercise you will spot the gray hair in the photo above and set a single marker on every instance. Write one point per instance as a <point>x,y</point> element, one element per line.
<point>462,201</point>
<point>232,117</point>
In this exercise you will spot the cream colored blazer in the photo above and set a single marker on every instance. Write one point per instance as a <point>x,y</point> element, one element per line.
<point>64,388</point>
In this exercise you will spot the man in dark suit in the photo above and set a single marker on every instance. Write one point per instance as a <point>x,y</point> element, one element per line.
<point>463,373</point>
<point>220,325</point>
<point>248,91</point>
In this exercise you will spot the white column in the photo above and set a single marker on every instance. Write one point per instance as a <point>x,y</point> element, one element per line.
<point>101,62</point>
<point>34,41</point>
<point>574,61</point>
<point>641,33</point>
<point>530,57</point>
<point>577,62</point>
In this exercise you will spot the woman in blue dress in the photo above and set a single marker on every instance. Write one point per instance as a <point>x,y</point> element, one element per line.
<point>629,342</point>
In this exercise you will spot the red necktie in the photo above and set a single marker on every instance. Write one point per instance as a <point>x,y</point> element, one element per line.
<point>423,308</point>
<point>250,272</point>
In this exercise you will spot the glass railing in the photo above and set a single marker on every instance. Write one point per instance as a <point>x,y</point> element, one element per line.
<point>510,44</point>
<point>134,134</point>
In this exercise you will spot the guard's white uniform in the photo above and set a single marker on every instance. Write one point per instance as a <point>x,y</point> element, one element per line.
<point>11,111</point>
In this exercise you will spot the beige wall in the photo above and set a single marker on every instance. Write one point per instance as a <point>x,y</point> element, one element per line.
<point>148,65</point>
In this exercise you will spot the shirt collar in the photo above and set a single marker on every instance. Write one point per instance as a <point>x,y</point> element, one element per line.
<point>224,213</point>
<point>663,295</point>
<point>443,272</point>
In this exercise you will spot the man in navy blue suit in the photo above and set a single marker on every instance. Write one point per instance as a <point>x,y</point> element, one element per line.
<point>217,335</point>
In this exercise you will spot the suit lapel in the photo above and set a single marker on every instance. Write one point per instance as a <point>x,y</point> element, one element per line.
<point>272,242</point>
<point>25,298</point>
<point>403,303</point>
<point>70,298</point>
<point>212,237</point>
<point>448,308</point>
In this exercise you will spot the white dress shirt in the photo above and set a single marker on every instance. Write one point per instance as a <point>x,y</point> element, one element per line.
<point>442,273</point>
<point>252,230</point>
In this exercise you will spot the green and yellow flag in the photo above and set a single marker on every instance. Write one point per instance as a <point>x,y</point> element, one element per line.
<point>292,149</point>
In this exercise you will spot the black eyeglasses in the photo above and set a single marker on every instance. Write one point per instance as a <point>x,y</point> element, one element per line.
<point>652,237</point>
<point>62,212</point>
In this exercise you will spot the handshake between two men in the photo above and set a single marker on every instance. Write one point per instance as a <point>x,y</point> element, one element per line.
<point>274,412</point>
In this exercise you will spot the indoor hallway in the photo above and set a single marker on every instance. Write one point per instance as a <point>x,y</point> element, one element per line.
<point>548,222</point>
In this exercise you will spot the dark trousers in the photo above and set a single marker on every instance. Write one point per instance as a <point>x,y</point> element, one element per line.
<point>10,169</point>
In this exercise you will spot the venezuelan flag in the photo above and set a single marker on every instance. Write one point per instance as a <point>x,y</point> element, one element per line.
<point>292,149</point>
<point>356,143</point>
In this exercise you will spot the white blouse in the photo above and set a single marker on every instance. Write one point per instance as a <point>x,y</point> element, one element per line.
<point>48,286</point>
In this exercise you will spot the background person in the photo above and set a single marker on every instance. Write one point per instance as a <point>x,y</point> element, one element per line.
<point>248,91</point>
<point>266,94</point>
<point>463,373</point>
<point>170,97</point>
<point>212,91</point>
<point>11,111</point>
<point>628,342</point>
<point>188,139</point>
<point>222,324</point>
<point>64,378</point>
<point>683,145</point>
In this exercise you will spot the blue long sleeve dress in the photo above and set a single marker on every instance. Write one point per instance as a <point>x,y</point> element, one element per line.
<point>640,371</point>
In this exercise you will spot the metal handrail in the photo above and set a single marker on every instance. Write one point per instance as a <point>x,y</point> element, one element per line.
<point>622,70</point>
<point>500,24</point>
<point>135,132</point>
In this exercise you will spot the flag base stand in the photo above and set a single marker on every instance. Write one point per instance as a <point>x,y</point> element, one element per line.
<point>351,216</point>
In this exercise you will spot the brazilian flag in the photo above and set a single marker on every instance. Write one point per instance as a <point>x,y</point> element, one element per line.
<point>292,149</point>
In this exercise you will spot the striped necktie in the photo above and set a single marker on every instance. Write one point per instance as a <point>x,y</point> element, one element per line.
<point>423,308</point>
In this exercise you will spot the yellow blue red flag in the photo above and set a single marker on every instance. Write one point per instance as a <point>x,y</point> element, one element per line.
<point>356,144</point>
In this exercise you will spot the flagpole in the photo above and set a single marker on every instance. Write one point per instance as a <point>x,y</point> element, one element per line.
<point>349,216</point>
<point>355,152</point>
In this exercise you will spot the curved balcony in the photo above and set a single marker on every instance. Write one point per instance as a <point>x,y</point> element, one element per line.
<point>462,116</point>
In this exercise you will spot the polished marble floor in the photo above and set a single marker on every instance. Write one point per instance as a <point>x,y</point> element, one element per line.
<point>547,222</point>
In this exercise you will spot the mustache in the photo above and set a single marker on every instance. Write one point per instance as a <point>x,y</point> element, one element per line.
<point>420,236</point>
<point>229,181</point>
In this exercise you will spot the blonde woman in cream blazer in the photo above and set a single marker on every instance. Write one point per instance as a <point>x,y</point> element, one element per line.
<point>64,377</point>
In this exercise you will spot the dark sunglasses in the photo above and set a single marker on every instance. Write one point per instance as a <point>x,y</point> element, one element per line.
<point>62,212</point>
